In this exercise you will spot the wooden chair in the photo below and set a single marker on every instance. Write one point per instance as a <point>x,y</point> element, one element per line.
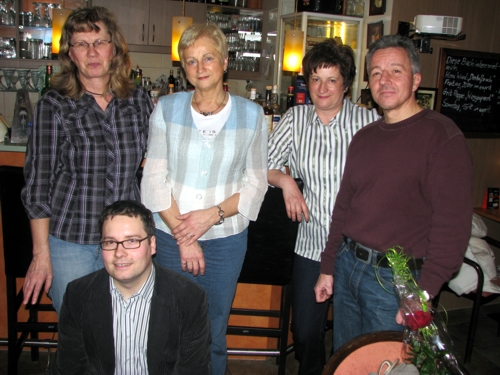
<point>269,261</point>
<point>17,248</point>
<point>365,353</point>
<point>479,299</point>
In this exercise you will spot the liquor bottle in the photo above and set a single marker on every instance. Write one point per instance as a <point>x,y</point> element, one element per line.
<point>179,83</point>
<point>170,88</point>
<point>289,98</point>
<point>48,78</point>
<point>268,109</point>
<point>138,76</point>
<point>22,118</point>
<point>253,95</point>
<point>225,87</point>
<point>275,106</point>
<point>171,79</point>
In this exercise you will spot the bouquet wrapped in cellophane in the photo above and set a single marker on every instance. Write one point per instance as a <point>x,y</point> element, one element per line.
<point>428,343</point>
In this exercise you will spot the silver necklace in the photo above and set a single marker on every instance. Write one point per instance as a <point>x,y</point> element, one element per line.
<point>208,113</point>
<point>94,93</point>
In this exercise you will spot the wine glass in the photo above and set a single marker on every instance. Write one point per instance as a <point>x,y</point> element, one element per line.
<point>10,80</point>
<point>2,86</point>
<point>37,17</point>
<point>22,74</point>
<point>35,79</point>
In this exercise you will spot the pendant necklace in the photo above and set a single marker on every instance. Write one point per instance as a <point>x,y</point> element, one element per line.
<point>208,113</point>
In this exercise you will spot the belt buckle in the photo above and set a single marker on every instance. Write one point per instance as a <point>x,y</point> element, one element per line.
<point>363,254</point>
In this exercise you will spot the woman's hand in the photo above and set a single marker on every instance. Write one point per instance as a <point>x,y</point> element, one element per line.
<point>296,206</point>
<point>323,287</point>
<point>192,258</point>
<point>194,225</point>
<point>39,272</point>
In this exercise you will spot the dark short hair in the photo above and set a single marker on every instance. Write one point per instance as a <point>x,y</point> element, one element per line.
<point>131,209</point>
<point>395,41</point>
<point>327,54</point>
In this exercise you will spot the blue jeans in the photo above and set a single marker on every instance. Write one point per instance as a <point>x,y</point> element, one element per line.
<point>308,317</point>
<point>224,258</point>
<point>360,304</point>
<point>70,261</point>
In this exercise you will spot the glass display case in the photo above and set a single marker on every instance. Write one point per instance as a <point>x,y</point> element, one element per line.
<point>317,27</point>
<point>246,31</point>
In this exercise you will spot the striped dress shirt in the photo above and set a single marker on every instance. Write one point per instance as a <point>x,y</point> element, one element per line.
<point>130,328</point>
<point>316,154</point>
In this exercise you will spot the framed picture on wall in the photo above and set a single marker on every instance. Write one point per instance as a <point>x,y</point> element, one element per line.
<point>426,97</point>
<point>377,7</point>
<point>374,32</point>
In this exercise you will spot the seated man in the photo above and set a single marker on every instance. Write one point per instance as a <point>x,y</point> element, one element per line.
<point>133,317</point>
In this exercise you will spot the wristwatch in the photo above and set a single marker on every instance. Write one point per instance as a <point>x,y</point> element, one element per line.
<point>221,215</point>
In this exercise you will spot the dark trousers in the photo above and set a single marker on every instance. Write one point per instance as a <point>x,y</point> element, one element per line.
<point>308,317</point>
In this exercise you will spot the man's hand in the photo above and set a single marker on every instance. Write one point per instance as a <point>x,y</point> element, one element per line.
<point>323,288</point>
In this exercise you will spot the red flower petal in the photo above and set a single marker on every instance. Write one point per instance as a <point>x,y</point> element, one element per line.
<point>418,319</point>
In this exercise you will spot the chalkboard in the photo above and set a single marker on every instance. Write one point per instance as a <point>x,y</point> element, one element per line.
<point>469,91</point>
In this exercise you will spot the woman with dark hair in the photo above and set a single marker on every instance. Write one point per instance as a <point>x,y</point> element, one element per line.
<point>312,141</point>
<point>205,178</point>
<point>88,140</point>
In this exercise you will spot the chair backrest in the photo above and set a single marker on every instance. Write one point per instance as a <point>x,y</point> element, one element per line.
<point>365,353</point>
<point>17,242</point>
<point>271,243</point>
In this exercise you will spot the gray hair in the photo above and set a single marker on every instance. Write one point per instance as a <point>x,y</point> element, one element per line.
<point>395,41</point>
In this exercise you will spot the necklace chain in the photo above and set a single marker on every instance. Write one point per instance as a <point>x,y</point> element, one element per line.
<point>94,93</point>
<point>208,113</point>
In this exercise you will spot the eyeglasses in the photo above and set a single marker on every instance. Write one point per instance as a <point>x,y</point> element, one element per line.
<point>83,46</point>
<point>131,243</point>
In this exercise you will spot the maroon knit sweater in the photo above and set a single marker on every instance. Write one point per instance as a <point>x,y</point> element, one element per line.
<point>409,184</point>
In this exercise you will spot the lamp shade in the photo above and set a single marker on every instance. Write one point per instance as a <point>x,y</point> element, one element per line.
<point>292,54</point>
<point>59,17</point>
<point>179,24</point>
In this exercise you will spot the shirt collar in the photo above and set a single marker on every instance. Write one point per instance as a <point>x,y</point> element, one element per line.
<point>146,290</point>
<point>344,111</point>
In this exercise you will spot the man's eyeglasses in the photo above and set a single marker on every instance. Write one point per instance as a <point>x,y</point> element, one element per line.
<point>131,243</point>
<point>83,46</point>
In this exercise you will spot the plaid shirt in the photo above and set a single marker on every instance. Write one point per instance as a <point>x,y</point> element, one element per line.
<point>80,159</point>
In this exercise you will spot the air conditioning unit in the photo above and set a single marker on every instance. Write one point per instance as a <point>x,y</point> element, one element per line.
<point>439,25</point>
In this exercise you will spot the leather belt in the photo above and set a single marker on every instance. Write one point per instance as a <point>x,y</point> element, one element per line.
<point>374,257</point>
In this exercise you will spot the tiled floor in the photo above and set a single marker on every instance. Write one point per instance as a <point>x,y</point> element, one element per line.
<point>485,357</point>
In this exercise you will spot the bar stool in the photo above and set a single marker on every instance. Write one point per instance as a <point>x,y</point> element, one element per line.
<point>269,261</point>
<point>17,249</point>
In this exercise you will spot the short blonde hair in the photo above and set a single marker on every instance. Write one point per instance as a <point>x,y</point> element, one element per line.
<point>199,30</point>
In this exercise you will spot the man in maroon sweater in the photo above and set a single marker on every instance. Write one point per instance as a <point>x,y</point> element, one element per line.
<point>407,181</point>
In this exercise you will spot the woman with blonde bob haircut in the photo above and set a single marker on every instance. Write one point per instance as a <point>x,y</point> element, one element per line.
<point>205,178</point>
<point>88,141</point>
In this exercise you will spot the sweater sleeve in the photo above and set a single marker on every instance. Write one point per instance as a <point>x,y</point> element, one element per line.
<point>450,182</point>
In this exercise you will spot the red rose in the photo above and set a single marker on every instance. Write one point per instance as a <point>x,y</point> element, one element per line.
<point>419,319</point>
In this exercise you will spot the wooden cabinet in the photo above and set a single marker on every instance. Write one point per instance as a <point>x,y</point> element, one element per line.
<point>149,22</point>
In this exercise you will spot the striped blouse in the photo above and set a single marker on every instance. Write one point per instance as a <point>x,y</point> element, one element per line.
<point>316,154</point>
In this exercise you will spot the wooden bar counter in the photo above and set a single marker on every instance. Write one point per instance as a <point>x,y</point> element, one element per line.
<point>248,296</point>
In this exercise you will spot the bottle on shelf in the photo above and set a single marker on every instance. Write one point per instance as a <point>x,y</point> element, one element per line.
<point>170,89</point>
<point>48,79</point>
<point>179,82</point>
<point>275,106</point>
<point>225,87</point>
<point>171,79</point>
<point>253,95</point>
<point>289,98</point>
<point>138,76</point>
<point>248,88</point>
<point>268,109</point>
